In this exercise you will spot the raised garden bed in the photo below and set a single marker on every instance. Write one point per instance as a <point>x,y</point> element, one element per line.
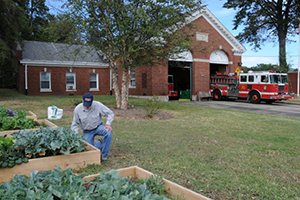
<point>170,187</point>
<point>40,121</point>
<point>126,183</point>
<point>34,117</point>
<point>91,155</point>
<point>31,115</point>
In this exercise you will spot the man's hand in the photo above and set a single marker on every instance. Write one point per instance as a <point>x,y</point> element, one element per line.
<point>107,127</point>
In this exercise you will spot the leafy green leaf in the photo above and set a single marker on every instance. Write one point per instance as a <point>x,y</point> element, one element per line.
<point>59,184</point>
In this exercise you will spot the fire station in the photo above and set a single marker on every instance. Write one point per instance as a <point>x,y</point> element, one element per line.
<point>184,76</point>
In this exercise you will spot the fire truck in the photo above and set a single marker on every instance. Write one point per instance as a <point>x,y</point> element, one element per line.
<point>268,86</point>
<point>172,93</point>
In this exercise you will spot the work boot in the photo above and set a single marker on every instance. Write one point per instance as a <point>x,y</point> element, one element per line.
<point>103,158</point>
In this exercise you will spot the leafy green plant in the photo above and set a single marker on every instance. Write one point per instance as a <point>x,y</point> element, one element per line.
<point>42,142</point>
<point>5,143</point>
<point>18,121</point>
<point>49,142</point>
<point>154,183</point>
<point>152,106</point>
<point>10,154</point>
<point>56,184</point>
<point>110,185</point>
<point>59,184</point>
<point>43,124</point>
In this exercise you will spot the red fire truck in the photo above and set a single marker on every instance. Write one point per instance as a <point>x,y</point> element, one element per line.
<point>268,86</point>
<point>172,93</point>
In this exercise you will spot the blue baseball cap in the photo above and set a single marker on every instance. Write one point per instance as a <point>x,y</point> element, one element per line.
<point>87,99</point>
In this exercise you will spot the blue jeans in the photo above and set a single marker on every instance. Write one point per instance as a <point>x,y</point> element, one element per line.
<point>90,136</point>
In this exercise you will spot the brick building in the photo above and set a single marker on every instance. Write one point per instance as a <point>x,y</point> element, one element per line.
<point>60,69</point>
<point>293,80</point>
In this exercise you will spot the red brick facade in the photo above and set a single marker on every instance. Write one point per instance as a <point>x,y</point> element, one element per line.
<point>293,79</point>
<point>58,80</point>
<point>149,80</point>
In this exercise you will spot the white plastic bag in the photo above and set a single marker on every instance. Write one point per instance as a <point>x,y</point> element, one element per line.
<point>54,112</point>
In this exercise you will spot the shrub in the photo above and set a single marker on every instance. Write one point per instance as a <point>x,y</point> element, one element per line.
<point>152,106</point>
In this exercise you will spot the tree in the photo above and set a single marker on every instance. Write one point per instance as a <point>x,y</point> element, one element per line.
<point>38,19</point>
<point>134,33</point>
<point>267,20</point>
<point>19,20</point>
<point>62,29</point>
<point>12,22</point>
<point>261,67</point>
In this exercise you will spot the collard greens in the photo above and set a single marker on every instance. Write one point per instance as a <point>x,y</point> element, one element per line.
<point>49,141</point>
<point>59,184</point>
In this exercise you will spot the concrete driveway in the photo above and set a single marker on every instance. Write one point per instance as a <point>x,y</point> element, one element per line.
<point>286,108</point>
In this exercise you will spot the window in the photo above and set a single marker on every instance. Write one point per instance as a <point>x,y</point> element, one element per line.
<point>274,78</point>
<point>45,78</point>
<point>284,79</point>
<point>264,78</point>
<point>243,78</point>
<point>94,81</point>
<point>71,82</point>
<point>251,78</point>
<point>132,79</point>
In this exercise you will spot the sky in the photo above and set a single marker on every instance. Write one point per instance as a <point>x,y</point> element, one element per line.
<point>269,53</point>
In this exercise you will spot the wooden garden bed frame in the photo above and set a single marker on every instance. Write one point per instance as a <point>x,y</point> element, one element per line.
<point>40,121</point>
<point>34,117</point>
<point>91,155</point>
<point>170,187</point>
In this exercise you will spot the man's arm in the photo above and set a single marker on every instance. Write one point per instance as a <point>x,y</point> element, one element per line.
<point>105,111</point>
<point>75,122</point>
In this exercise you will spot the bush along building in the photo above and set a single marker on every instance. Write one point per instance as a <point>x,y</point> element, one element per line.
<point>61,69</point>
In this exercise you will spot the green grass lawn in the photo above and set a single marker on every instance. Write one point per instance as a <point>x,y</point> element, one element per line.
<point>221,154</point>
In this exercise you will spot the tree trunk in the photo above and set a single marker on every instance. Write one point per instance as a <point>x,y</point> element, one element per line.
<point>125,87</point>
<point>113,69</point>
<point>282,32</point>
<point>282,52</point>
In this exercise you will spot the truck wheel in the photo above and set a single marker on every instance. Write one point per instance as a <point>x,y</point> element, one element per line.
<point>254,97</point>
<point>217,95</point>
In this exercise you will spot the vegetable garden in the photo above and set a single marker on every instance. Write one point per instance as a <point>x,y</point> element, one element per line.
<point>39,148</point>
<point>59,184</point>
<point>10,120</point>
<point>36,164</point>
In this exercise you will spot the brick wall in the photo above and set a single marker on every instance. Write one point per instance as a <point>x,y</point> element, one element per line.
<point>58,80</point>
<point>293,78</point>
<point>143,77</point>
<point>201,73</point>
<point>155,80</point>
<point>160,79</point>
